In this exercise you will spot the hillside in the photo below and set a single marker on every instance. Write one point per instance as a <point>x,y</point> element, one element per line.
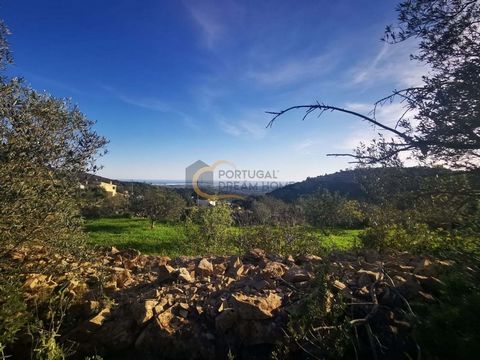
<point>347,182</point>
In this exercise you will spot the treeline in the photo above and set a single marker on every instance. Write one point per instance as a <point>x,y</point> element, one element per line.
<point>402,208</point>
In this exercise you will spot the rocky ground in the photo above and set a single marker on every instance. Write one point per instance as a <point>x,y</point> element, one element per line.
<point>204,308</point>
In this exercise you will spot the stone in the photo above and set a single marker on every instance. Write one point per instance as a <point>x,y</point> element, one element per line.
<point>274,269</point>
<point>204,268</point>
<point>114,250</point>
<point>123,278</point>
<point>167,321</point>
<point>235,268</point>
<point>255,255</point>
<point>34,280</point>
<point>165,272</point>
<point>143,312</point>
<point>367,277</point>
<point>184,275</point>
<point>255,307</point>
<point>100,318</point>
<point>289,260</point>
<point>297,274</point>
<point>308,258</point>
<point>339,285</point>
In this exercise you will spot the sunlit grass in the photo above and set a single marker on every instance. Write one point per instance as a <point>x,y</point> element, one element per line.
<point>168,239</point>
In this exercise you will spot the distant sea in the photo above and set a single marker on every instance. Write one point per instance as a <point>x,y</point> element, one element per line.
<point>177,183</point>
<point>249,187</point>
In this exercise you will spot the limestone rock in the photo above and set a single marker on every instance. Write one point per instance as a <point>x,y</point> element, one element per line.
<point>274,269</point>
<point>255,307</point>
<point>204,268</point>
<point>235,268</point>
<point>184,275</point>
<point>144,312</point>
<point>297,274</point>
<point>165,272</point>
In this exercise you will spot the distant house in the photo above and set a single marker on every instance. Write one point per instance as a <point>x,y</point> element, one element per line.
<point>110,188</point>
<point>206,202</point>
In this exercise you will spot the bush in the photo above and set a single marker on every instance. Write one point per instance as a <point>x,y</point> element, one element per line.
<point>448,329</point>
<point>291,240</point>
<point>318,327</point>
<point>327,210</point>
<point>208,229</point>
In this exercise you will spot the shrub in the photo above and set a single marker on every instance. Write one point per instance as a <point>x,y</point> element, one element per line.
<point>318,327</point>
<point>292,240</point>
<point>448,329</point>
<point>208,228</point>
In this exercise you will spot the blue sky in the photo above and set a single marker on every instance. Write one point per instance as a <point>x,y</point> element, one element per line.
<point>171,82</point>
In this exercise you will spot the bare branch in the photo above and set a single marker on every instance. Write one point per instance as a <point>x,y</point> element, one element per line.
<point>322,108</point>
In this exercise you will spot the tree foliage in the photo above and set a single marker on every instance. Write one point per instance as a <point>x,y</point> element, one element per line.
<point>158,204</point>
<point>45,143</point>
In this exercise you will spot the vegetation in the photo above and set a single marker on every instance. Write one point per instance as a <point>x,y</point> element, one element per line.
<point>158,204</point>
<point>45,143</point>
<point>170,239</point>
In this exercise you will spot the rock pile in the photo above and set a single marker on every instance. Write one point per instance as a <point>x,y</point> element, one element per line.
<point>205,307</point>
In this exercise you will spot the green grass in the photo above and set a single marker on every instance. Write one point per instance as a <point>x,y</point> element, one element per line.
<point>163,239</point>
<point>167,239</point>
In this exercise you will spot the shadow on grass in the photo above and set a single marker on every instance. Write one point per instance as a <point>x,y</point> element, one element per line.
<point>114,229</point>
<point>163,247</point>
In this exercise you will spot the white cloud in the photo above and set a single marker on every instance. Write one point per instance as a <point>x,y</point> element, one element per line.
<point>213,18</point>
<point>391,63</point>
<point>305,146</point>
<point>294,70</point>
<point>211,28</point>
<point>247,129</point>
<point>152,104</point>
<point>146,103</point>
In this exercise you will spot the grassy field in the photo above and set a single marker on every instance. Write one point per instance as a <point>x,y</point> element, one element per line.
<point>167,239</point>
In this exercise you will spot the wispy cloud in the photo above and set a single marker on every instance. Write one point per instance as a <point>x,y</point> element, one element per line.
<point>294,70</point>
<point>152,104</point>
<point>391,63</point>
<point>387,114</point>
<point>305,146</point>
<point>246,129</point>
<point>212,17</point>
<point>147,103</point>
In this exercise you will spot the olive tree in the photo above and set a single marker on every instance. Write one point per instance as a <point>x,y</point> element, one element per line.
<point>45,143</point>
